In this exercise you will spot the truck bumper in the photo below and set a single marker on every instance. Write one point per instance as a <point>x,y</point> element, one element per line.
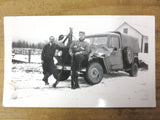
<point>59,67</point>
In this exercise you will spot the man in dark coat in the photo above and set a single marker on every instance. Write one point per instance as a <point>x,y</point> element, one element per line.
<point>47,56</point>
<point>79,51</point>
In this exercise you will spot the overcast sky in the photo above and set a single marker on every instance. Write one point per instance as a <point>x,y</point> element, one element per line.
<point>39,28</point>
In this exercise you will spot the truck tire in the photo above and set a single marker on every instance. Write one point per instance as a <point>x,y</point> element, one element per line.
<point>134,70</point>
<point>128,55</point>
<point>64,75</point>
<point>94,73</point>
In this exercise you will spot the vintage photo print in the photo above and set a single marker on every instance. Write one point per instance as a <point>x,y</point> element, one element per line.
<point>79,61</point>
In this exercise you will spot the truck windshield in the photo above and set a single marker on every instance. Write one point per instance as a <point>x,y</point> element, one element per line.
<point>109,41</point>
<point>97,40</point>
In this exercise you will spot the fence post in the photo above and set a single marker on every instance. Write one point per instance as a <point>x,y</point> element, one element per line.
<point>29,56</point>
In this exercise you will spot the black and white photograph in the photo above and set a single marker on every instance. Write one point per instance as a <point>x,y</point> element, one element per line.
<point>79,61</point>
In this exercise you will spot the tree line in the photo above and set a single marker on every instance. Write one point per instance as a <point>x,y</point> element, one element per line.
<point>26,44</point>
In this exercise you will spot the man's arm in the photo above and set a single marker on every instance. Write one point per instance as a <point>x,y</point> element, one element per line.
<point>43,53</point>
<point>86,49</point>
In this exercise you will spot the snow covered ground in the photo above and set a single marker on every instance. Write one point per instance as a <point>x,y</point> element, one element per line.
<point>144,57</point>
<point>24,58</point>
<point>26,89</point>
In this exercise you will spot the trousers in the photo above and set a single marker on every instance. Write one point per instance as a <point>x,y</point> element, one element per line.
<point>48,68</point>
<point>76,65</point>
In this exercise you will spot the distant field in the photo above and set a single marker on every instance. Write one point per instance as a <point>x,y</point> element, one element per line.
<point>22,55</point>
<point>25,51</point>
<point>24,58</point>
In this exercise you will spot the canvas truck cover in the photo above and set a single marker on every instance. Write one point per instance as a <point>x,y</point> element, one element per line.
<point>131,42</point>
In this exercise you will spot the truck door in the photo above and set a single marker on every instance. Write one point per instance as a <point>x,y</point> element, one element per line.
<point>116,58</point>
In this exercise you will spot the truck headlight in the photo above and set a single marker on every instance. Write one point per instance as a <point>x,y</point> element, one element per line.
<point>59,53</point>
<point>99,54</point>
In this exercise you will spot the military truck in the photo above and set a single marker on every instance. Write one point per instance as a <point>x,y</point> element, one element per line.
<point>110,52</point>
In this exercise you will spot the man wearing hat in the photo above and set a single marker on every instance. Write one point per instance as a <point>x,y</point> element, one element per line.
<point>79,51</point>
<point>47,56</point>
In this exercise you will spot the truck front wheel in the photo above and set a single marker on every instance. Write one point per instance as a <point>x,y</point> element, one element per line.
<point>94,73</point>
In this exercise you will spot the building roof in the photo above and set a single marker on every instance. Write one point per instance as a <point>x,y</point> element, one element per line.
<point>130,26</point>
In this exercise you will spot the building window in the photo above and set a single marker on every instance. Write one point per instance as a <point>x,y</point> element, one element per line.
<point>125,30</point>
<point>146,48</point>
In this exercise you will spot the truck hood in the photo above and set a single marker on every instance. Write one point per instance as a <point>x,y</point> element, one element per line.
<point>101,51</point>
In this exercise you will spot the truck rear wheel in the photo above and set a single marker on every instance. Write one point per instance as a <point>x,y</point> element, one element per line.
<point>94,73</point>
<point>134,70</point>
<point>61,75</point>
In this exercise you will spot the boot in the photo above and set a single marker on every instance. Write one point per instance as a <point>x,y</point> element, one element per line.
<point>55,84</point>
<point>73,87</point>
<point>76,84</point>
<point>45,79</point>
<point>72,84</point>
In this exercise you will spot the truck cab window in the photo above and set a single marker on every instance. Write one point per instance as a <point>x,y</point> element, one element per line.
<point>114,42</point>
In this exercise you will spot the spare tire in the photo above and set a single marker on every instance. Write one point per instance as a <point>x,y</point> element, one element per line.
<point>134,70</point>
<point>128,55</point>
<point>61,74</point>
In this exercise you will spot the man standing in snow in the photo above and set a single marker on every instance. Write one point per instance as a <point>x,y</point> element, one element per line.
<point>47,56</point>
<point>79,51</point>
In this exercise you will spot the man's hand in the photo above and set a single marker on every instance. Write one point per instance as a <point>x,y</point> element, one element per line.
<point>71,54</point>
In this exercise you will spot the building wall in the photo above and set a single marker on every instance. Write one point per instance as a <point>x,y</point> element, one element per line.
<point>131,32</point>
